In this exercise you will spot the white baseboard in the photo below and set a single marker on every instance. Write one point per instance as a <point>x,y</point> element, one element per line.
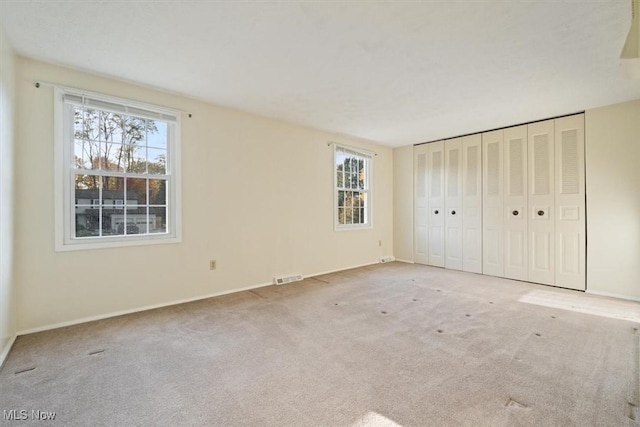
<point>405,261</point>
<point>611,295</point>
<point>7,349</point>
<point>341,269</point>
<point>154,306</point>
<point>136,310</point>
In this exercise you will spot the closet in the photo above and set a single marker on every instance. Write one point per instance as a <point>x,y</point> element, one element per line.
<point>507,203</point>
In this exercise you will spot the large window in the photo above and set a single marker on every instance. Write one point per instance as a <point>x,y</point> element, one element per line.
<point>117,165</point>
<point>352,188</point>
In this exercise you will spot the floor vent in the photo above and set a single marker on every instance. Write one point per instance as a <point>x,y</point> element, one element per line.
<point>283,280</point>
<point>385,259</point>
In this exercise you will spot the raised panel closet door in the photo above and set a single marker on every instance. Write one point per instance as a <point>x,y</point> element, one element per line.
<point>435,167</point>
<point>492,204</point>
<point>516,211</point>
<point>542,213</point>
<point>570,203</point>
<point>453,204</point>
<point>421,206</point>
<point>472,203</point>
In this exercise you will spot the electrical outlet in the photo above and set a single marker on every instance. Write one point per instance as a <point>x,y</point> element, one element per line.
<point>212,264</point>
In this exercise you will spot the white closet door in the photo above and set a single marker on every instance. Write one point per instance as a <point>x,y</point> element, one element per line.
<point>421,206</point>
<point>541,202</point>
<point>453,204</point>
<point>515,203</point>
<point>472,203</point>
<point>570,203</point>
<point>492,204</point>
<point>435,168</point>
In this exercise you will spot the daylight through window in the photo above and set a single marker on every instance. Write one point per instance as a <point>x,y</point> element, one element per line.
<point>352,184</point>
<point>121,168</point>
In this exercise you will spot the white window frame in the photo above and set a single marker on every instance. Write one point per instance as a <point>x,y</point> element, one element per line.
<point>64,180</point>
<point>368,157</point>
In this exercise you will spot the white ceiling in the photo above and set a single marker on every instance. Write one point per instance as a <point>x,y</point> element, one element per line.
<point>396,72</point>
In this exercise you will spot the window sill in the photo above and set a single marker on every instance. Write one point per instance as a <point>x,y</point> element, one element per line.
<point>116,242</point>
<point>352,227</point>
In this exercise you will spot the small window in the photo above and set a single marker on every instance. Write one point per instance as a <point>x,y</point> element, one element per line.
<point>115,153</point>
<point>352,188</point>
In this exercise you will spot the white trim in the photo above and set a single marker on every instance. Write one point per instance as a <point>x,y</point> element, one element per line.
<point>6,350</point>
<point>116,100</point>
<point>406,261</point>
<point>341,269</point>
<point>612,295</point>
<point>368,192</point>
<point>64,180</point>
<point>167,304</point>
<point>136,310</point>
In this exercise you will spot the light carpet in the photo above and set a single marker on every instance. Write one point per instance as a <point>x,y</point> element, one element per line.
<point>386,345</point>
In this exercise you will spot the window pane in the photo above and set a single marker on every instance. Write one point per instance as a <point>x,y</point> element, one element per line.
<point>110,127</point>
<point>87,221</point>
<point>341,198</point>
<point>348,216</point>
<point>86,189</point>
<point>134,130</point>
<point>86,124</point>
<point>135,158</point>
<point>356,216</point>
<point>112,191</point>
<point>157,134</point>
<point>339,177</point>
<point>136,191</point>
<point>157,220</point>
<point>363,216</point>
<point>157,160</point>
<point>157,191</point>
<point>341,216</point>
<point>349,199</point>
<point>137,220</point>
<point>112,221</point>
<point>347,165</point>
<point>86,154</point>
<point>114,157</point>
<point>361,174</point>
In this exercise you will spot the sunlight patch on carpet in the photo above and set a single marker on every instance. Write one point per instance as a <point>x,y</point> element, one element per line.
<point>373,419</point>
<point>580,303</point>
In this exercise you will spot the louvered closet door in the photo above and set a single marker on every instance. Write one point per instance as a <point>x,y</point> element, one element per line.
<point>435,168</point>
<point>421,207</point>
<point>515,203</point>
<point>453,204</point>
<point>492,204</point>
<point>472,203</point>
<point>570,203</point>
<point>541,202</point>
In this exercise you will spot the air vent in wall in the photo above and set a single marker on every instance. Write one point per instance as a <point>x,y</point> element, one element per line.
<point>283,280</point>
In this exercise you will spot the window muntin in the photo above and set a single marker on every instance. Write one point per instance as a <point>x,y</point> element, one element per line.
<point>352,188</point>
<point>121,163</point>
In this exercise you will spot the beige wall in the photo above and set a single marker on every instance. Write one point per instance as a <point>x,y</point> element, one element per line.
<point>257,197</point>
<point>403,203</point>
<point>7,288</point>
<point>612,143</point>
<point>613,199</point>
